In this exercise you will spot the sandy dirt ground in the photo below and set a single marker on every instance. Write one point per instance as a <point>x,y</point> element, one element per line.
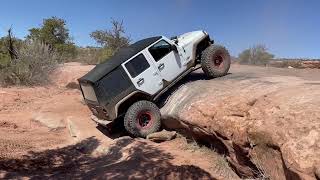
<point>36,141</point>
<point>46,132</point>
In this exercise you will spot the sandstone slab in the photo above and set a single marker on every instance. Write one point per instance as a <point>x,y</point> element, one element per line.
<point>162,136</point>
<point>268,123</point>
<point>50,120</point>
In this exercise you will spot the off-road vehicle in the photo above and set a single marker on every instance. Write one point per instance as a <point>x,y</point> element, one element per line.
<point>129,83</point>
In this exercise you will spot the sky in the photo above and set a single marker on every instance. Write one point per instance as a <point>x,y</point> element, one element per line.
<point>288,28</point>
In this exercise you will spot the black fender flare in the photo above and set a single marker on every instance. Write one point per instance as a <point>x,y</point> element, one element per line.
<point>122,106</point>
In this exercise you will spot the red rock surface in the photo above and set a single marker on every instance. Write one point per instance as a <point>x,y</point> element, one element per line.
<point>270,116</point>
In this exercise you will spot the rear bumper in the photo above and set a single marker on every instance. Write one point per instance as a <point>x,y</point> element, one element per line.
<point>99,111</point>
<point>100,121</point>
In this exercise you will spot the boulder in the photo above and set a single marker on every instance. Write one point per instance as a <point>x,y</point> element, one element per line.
<point>162,136</point>
<point>72,128</point>
<point>73,85</point>
<point>51,120</point>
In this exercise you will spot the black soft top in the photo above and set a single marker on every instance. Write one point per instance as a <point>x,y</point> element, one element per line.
<point>121,56</point>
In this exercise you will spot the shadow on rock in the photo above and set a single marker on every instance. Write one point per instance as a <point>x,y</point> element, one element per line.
<point>125,159</point>
<point>114,130</point>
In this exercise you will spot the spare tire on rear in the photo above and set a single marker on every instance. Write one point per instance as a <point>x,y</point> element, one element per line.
<point>215,61</point>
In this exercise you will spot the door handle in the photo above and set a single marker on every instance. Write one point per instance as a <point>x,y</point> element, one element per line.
<point>161,66</point>
<point>140,81</point>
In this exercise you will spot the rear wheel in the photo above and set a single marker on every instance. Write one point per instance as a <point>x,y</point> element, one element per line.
<point>215,61</point>
<point>142,119</point>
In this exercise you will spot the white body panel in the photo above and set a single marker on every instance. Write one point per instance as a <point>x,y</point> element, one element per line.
<point>168,67</point>
<point>187,42</point>
<point>171,65</point>
<point>149,80</point>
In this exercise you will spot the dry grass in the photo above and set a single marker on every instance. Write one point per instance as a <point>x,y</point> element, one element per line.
<point>36,61</point>
<point>88,55</point>
<point>92,55</point>
<point>220,164</point>
<point>261,171</point>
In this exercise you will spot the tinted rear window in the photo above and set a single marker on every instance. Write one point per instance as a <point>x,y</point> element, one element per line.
<point>113,84</point>
<point>88,92</point>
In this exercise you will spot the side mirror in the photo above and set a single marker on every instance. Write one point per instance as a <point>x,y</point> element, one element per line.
<point>174,48</point>
<point>175,39</point>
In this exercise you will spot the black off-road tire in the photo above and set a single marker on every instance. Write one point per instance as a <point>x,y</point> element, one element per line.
<point>138,112</point>
<point>215,61</point>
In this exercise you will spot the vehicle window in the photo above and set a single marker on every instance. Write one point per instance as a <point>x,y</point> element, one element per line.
<point>137,65</point>
<point>88,92</point>
<point>160,49</point>
<point>112,84</point>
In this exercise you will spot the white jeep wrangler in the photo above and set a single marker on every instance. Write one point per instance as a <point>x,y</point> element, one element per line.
<point>129,83</point>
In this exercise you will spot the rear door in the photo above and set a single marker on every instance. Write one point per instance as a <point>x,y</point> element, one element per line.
<point>143,74</point>
<point>167,61</point>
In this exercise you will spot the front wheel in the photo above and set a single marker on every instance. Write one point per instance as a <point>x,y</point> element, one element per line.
<point>142,119</point>
<point>215,61</point>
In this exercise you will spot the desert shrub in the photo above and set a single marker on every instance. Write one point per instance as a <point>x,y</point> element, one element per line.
<point>88,55</point>
<point>114,38</point>
<point>4,49</point>
<point>52,31</point>
<point>35,62</point>
<point>105,54</point>
<point>93,55</point>
<point>55,33</point>
<point>67,52</point>
<point>4,54</point>
<point>109,41</point>
<point>4,60</point>
<point>257,55</point>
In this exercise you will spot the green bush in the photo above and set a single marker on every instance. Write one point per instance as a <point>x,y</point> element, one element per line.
<point>4,54</point>
<point>87,55</point>
<point>93,55</point>
<point>36,61</point>
<point>55,33</point>
<point>67,52</point>
<point>4,60</point>
<point>105,54</point>
<point>257,55</point>
<point>114,38</point>
<point>4,51</point>
<point>110,41</point>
